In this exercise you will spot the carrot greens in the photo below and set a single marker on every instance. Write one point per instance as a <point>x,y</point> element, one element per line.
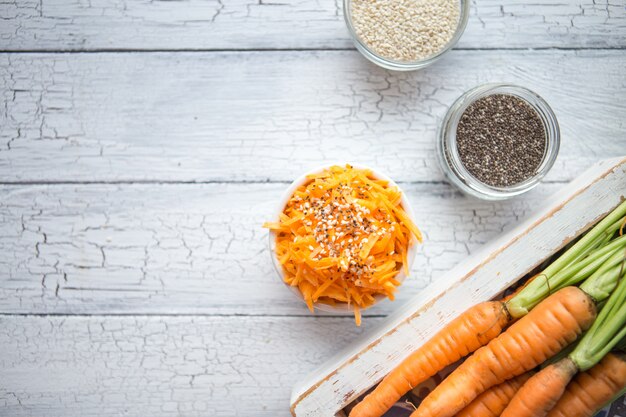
<point>576,264</point>
<point>606,331</point>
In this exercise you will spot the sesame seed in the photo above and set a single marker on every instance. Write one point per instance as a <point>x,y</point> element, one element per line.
<point>405,30</point>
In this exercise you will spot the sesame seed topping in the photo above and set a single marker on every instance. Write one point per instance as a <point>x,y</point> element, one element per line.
<point>340,226</point>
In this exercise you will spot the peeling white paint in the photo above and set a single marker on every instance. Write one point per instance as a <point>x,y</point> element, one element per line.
<point>193,24</point>
<point>195,248</point>
<point>159,366</point>
<point>98,216</point>
<point>270,116</point>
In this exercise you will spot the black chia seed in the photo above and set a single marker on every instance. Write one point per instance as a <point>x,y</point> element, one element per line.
<point>501,140</point>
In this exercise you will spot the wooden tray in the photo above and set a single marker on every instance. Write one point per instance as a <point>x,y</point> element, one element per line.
<point>498,265</point>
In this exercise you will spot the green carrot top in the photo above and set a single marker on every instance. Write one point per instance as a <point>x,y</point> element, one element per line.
<point>592,252</point>
<point>606,331</point>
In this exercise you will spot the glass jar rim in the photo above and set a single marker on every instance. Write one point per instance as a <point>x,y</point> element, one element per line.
<point>450,159</point>
<point>396,65</point>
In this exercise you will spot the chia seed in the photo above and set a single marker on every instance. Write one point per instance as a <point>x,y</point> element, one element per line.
<point>501,140</point>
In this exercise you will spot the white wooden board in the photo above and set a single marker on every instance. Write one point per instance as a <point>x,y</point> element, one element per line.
<point>159,366</point>
<point>195,248</point>
<point>268,116</point>
<point>98,147</point>
<point>250,24</point>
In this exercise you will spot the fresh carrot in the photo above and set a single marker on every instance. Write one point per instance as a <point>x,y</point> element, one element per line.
<point>492,402</point>
<point>481,323</point>
<point>549,327</point>
<point>541,392</point>
<point>591,390</point>
<point>475,327</point>
<point>605,273</point>
<point>463,335</point>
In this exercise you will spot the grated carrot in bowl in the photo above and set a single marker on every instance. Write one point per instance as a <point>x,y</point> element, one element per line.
<point>343,237</point>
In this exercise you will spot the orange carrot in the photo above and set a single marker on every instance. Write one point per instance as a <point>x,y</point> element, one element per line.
<point>591,390</point>
<point>471,330</point>
<point>482,323</point>
<point>468,332</point>
<point>542,391</point>
<point>463,335</point>
<point>553,324</point>
<point>492,402</point>
<point>540,394</point>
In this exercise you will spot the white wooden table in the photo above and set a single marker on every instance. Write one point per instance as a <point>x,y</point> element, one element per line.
<point>143,143</point>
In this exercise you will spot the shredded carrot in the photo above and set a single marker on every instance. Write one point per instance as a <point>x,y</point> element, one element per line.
<point>343,237</point>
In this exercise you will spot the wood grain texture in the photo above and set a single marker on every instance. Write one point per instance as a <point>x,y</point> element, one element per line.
<point>195,248</point>
<point>160,366</point>
<point>269,116</point>
<point>115,263</point>
<point>254,24</point>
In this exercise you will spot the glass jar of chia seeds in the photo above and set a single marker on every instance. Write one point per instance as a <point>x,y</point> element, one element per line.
<point>498,141</point>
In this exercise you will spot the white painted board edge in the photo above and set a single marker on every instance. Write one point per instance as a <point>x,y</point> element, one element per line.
<point>480,277</point>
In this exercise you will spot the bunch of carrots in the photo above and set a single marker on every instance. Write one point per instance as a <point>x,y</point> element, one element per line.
<point>569,321</point>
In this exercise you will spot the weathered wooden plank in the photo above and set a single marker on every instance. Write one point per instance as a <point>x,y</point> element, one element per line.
<point>195,248</point>
<point>160,366</point>
<point>273,115</point>
<point>249,24</point>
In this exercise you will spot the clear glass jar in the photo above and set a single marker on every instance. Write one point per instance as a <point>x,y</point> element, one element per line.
<point>450,160</point>
<point>391,64</point>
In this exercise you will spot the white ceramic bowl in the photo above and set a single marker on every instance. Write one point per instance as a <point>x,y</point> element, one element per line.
<point>339,308</point>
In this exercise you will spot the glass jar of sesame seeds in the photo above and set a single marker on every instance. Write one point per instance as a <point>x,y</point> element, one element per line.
<point>405,35</point>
